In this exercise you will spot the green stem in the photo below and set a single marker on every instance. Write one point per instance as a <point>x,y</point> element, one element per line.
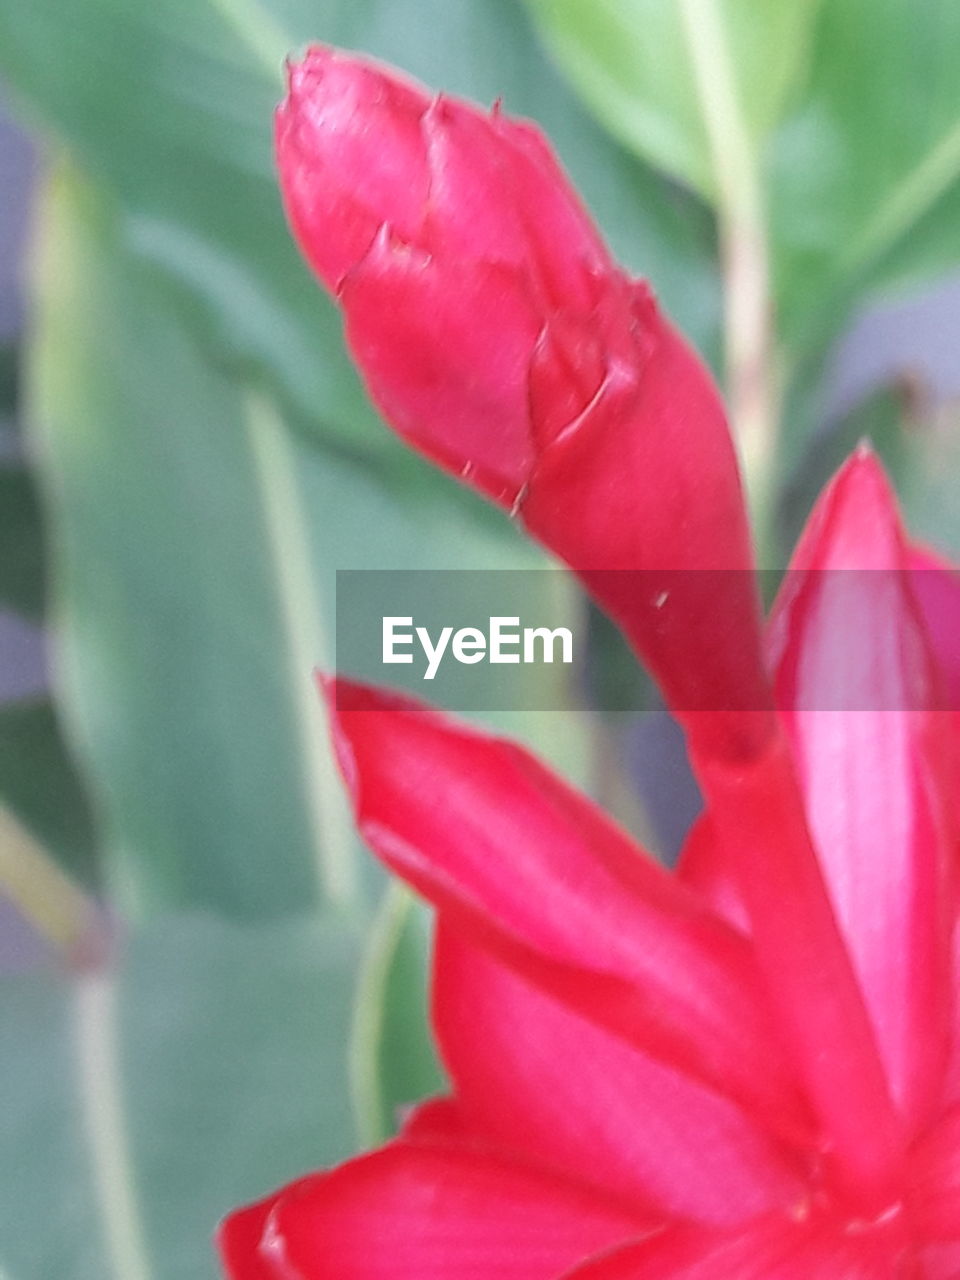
<point>307,649</point>
<point>101,1097</point>
<point>366,1037</point>
<point>911,198</point>
<point>741,213</point>
<point>46,896</point>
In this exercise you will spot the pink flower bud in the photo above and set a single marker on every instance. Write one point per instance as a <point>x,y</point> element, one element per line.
<point>498,337</point>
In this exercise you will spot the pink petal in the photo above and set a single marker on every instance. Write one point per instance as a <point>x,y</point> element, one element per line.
<point>757,812</point>
<point>934,1180</point>
<point>351,157</point>
<point>641,495</point>
<point>567,247</point>
<point>238,1240</point>
<point>537,1078</point>
<point>774,1247</point>
<point>951,1089</point>
<point>539,875</point>
<point>412,1212</point>
<point>455,389</point>
<point>704,868</point>
<point>940,1262</point>
<point>856,678</point>
<point>473,209</point>
<point>936,587</point>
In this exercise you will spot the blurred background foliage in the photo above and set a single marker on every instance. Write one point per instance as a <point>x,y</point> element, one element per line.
<point>208,987</point>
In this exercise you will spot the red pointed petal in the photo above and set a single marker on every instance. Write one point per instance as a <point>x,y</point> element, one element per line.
<point>934,1181</point>
<point>951,1089</point>
<point>940,1262</point>
<point>613,496</point>
<point>351,157</point>
<point>770,1248</point>
<point>569,251</point>
<point>540,875</point>
<point>758,815</point>
<point>439,1122</point>
<point>936,587</point>
<point>238,1240</point>
<point>704,868</point>
<point>408,1211</point>
<point>441,377</point>
<point>856,679</point>
<point>535,1077</point>
<point>466,164</point>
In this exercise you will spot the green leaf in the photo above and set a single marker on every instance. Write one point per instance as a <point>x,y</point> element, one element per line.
<point>172,637</point>
<point>866,172</point>
<point>196,544</point>
<point>633,62</point>
<point>140,1108</point>
<point>22,574</point>
<point>38,782</point>
<point>170,105</point>
<point>393,1061</point>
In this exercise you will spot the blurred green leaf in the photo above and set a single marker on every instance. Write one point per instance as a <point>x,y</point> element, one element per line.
<point>8,378</point>
<point>632,62</point>
<point>225,1055</point>
<point>170,104</point>
<point>22,576</point>
<point>39,783</point>
<point>196,545</point>
<point>172,641</point>
<point>925,470</point>
<point>393,1061</point>
<point>879,419</point>
<point>866,172</point>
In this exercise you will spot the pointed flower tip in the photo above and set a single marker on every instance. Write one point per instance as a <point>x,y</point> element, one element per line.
<point>326,682</point>
<point>865,467</point>
<point>343,695</point>
<point>856,523</point>
<point>862,483</point>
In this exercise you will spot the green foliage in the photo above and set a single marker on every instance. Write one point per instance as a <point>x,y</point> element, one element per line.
<point>852,117</point>
<point>170,104</point>
<point>225,1050</point>
<point>39,783</point>
<point>632,60</point>
<point>173,650</point>
<point>22,569</point>
<point>209,460</point>
<point>865,174</point>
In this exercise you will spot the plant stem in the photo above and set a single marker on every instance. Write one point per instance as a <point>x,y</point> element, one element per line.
<point>366,1036</point>
<point>101,1096</point>
<point>741,213</point>
<point>285,520</point>
<point>46,896</point>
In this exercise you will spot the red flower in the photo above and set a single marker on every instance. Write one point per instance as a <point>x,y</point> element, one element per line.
<point>497,336</point>
<point>749,1070</point>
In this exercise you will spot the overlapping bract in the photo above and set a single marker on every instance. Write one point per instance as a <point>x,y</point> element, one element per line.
<point>749,1070</point>
<point>498,337</point>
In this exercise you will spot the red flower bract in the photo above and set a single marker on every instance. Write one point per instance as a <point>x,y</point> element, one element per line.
<point>748,1070</point>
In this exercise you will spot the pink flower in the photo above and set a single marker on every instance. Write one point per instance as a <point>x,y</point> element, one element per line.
<point>497,336</point>
<point>749,1069</point>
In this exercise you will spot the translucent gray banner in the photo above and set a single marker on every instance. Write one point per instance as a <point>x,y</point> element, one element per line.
<point>512,640</point>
